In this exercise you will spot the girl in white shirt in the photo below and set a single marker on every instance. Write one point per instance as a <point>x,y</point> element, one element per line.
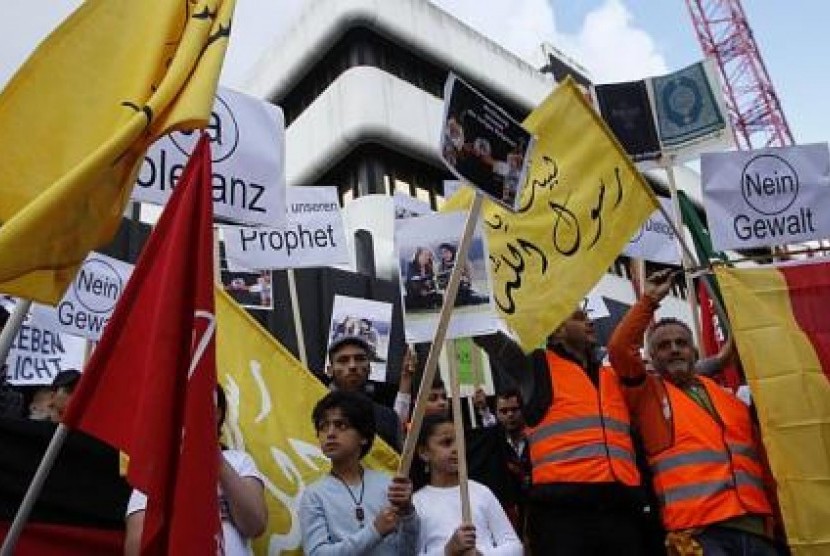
<point>438,502</point>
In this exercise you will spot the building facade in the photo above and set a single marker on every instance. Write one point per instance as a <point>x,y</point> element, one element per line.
<point>361,85</point>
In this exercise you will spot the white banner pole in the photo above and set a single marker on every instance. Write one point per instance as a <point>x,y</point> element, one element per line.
<point>298,321</point>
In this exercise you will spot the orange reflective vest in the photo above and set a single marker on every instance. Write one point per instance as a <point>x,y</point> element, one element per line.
<point>712,471</point>
<point>585,435</point>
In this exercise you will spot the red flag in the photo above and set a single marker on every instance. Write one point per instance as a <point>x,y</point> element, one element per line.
<point>713,337</point>
<point>149,387</point>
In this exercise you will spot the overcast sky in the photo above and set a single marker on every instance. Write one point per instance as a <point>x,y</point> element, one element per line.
<point>615,39</point>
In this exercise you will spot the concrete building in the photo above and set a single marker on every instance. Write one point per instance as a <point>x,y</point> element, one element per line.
<point>361,85</point>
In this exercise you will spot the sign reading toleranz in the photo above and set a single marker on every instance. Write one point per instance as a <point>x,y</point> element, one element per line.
<point>247,142</point>
<point>768,196</point>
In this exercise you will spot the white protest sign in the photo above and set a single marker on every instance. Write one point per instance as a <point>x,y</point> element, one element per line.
<point>38,353</point>
<point>483,145</point>
<point>595,306</point>
<point>655,240</point>
<point>313,235</point>
<point>368,319</point>
<point>407,207</point>
<point>767,197</point>
<point>247,142</point>
<point>426,247</point>
<point>87,305</point>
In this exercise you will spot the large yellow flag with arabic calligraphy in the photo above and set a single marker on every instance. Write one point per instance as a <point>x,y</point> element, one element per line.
<point>270,398</point>
<point>582,202</point>
<point>77,118</point>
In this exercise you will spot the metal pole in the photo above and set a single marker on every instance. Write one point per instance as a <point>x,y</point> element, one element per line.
<point>691,293</point>
<point>687,252</point>
<point>33,492</point>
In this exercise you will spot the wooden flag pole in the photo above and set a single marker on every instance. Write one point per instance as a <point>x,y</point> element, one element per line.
<point>460,445</point>
<point>431,364</point>
<point>688,263</point>
<point>298,321</point>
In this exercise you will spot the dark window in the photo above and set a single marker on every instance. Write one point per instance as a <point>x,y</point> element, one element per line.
<point>363,47</point>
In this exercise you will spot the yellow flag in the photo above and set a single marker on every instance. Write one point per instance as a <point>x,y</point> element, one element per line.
<point>79,115</point>
<point>582,202</point>
<point>780,321</point>
<point>270,398</point>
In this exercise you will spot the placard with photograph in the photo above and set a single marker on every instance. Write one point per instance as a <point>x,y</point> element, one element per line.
<point>483,145</point>
<point>427,247</point>
<point>366,319</point>
<point>253,289</point>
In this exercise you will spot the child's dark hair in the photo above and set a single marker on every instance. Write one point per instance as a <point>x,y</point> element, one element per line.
<point>357,410</point>
<point>511,392</point>
<point>419,473</point>
<point>429,424</point>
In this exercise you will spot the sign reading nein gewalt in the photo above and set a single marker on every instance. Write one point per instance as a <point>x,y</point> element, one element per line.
<point>88,304</point>
<point>767,197</point>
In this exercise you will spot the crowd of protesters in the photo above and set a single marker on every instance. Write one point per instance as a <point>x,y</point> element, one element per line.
<point>583,452</point>
<point>587,453</point>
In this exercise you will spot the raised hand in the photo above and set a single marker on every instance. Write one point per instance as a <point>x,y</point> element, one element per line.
<point>659,283</point>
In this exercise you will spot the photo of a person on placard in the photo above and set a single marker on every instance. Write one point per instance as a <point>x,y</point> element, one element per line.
<point>351,325</point>
<point>421,289</point>
<point>453,140</point>
<point>466,295</point>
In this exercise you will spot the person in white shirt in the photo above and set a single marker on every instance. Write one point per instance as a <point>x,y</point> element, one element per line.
<point>438,502</point>
<point>241,499</point>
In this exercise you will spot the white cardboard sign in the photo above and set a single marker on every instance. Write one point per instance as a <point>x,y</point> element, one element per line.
<point>368,319</point>
<point>247,142</point>
<point>39,352</point>
<point>766,197</point>
<point>313,235</point>
<point>87,305</point>
<point>655,240</point>
<point>426,247</point>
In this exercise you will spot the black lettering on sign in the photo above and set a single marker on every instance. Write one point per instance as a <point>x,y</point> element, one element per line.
<point>566,233</point>
<point>517,265</point>
<point>257,191</point>
<point>547,183</point>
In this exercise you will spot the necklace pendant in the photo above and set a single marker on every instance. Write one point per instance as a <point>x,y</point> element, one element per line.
<point>358,513</point>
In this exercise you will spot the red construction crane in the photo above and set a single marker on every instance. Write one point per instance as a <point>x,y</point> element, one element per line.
<point>754,109</point>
